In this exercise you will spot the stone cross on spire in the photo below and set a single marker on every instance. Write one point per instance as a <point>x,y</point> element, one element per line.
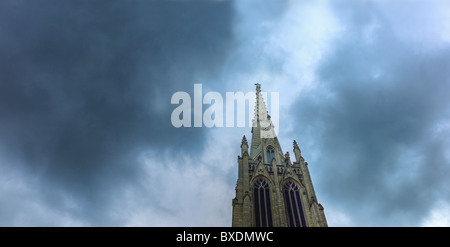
<point>258,87</point>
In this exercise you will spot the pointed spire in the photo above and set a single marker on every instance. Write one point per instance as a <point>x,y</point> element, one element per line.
<point>262,126</point>
<point>286,156</point>
<point>244,146</point>
<point>244,141</point>
<point>261,119</point>
<point>296,146</point>
<point>287,159</point>
<point>298,153</point>
<point>260,107</point>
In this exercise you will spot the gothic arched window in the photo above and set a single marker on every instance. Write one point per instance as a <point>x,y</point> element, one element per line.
<point>294,207</point>
<point>270,155</point>
<point>262,206</point>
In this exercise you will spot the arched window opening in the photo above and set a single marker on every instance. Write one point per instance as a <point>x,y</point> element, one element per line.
<point>262,206</point>
<point>294,207</point>
<point>270,155</point>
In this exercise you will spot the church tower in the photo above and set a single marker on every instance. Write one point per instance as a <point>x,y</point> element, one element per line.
<point>271,190</point>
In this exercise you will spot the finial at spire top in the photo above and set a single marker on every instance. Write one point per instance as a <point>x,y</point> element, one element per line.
<point>244,141</point>
<point>258,87</point>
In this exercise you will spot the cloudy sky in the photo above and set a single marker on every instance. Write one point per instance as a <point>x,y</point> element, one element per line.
<point>85,90</point>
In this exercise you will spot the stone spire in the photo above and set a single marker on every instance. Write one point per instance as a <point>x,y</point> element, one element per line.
<point>298,153</point>
<point>244,141</point>
<point>244,146</point>
<point>296,145</point>
<point>262,126</point>
<point>260,107</point>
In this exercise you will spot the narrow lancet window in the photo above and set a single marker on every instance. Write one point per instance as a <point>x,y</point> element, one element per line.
<point>262,205</point>
<point>270,155</point>
<point>294,207</point>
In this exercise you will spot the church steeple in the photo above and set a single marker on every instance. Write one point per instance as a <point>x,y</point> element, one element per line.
<point>271,190</point>
<point>263,130</point>
<point>261,120</point>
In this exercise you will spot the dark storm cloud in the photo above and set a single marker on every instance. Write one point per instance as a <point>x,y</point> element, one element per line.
<point>374,117</point>
<point>86,85</point>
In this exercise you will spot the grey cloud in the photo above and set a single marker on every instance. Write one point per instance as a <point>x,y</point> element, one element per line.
<point>373,119</point>
<point>86,85</point>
